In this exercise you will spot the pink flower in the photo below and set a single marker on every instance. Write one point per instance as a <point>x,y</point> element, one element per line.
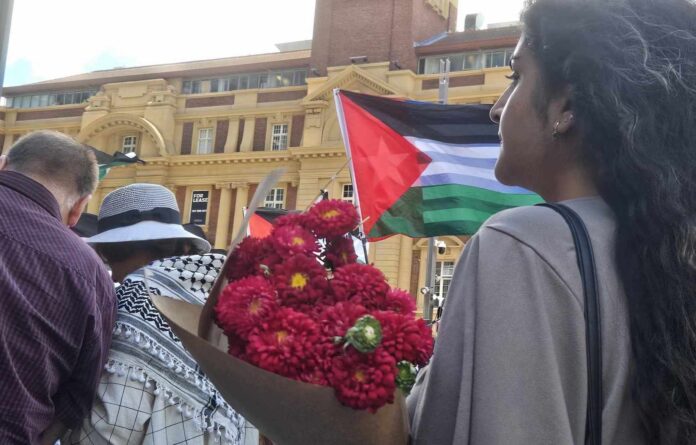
<point>332,218</point>
<point>340,251</point>
<point>293,240</point>
<point>245,303</point>
<point>360,283</point>
<point>363,381</point>
<point>244,259</point>
<point>291,219</point>
<point>284,343</point>
<point>300,280</point>
<point>335,320</point>
<point>405,337</point>
<point>400,301</point>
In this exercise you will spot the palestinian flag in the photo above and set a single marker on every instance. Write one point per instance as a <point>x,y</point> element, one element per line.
<point>107,162</point>
<point>422,169</point>
<point>261,222</point>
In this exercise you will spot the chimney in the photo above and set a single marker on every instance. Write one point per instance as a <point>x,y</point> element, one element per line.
<point>473,22</point>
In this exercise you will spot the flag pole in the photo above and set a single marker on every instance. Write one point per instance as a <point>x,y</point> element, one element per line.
<point>346,144</point>
<point>429,293</point>
<point>6,7</point>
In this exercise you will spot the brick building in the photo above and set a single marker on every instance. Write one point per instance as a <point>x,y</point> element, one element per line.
<point>215,128</point>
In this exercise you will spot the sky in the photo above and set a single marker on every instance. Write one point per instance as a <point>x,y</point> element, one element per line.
<point>51,39</point>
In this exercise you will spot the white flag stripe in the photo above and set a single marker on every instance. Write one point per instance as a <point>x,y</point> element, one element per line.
<point>482,151</point>
<point>439,168</point>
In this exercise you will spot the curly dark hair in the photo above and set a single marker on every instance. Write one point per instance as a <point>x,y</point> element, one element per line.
<point>630,68</point>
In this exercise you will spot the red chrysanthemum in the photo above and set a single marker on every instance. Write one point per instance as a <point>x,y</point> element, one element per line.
<point>244,260</point>
<point>300,280</point>
<point>293,240</point>
<point>315,376</point>
<point>284,343</point>
<point>340,251</point>
<point>405,337</point>
<point>400,301</point>
<point>291,219</point>
<point>364,381</point>
<point>332,218</point>
<point>245,303</point>
<point>361,284</point>
<point>335,320</point>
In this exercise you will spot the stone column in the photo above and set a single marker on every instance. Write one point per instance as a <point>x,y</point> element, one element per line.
<point>405,260</point>
<point>232,135</point>
<point>223,219</point>
<point>241,202</point>
<point>248,137</point>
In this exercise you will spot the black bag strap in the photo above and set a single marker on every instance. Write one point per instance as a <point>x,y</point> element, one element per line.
<point>593,333</point>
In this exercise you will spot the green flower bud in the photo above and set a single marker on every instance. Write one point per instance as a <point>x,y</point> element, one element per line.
<point>365,335</point>
<point>405,376</point>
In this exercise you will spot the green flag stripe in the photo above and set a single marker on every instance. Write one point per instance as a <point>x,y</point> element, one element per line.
<point>445,210</point>
<point>104,168</point>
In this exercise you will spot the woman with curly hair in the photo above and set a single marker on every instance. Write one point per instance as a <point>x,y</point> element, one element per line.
<point>600,116</point>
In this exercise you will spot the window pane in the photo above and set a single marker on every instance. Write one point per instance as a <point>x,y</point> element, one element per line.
<point>34,101</point>
<point>205,140</point>
<point>432,65</point>
<point>275,198</point>
<point>456,62</point>
<point>472,61</point>
<point>233,83</point>
<point>52,99</point>
<point>129,144</point>
<point>263,81</point>
<point>347,194</point>
<point>254,81</point>
<point>280,137</point>
<point>195,87</point>
<point>495,59</point>
<point>26,100</point>
<point>243,82</point>
<point>287,78</point>
<point>300,77</point>
<point>214,86</point>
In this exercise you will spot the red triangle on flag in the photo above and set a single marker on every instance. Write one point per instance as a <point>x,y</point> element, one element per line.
<point>385,164</point>
<point>259,227</point>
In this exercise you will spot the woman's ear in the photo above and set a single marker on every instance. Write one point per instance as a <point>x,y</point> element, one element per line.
<point>561,114</point>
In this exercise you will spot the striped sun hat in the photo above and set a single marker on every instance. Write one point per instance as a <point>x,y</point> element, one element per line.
<point>142,212</point>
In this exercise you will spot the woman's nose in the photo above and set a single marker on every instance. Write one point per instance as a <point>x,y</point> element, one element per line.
<point>495,112</point>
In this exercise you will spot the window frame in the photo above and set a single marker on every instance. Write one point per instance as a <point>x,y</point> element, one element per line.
<point>133,146</point>
<point>209,141</point>
<point>350,198</point>
<point>275,199</point>
<point>443,281</point>
<point>280,141</point>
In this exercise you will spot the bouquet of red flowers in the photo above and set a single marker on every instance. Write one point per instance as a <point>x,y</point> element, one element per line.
<point>299,305</point>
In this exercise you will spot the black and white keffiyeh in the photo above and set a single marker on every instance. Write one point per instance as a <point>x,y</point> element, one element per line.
<point>152,390</point>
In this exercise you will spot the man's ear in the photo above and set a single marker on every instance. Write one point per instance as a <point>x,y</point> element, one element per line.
<point>76,210</point>
<point>3,162</point>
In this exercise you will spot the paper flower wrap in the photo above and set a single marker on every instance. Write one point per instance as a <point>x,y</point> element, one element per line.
<point>297,304</point>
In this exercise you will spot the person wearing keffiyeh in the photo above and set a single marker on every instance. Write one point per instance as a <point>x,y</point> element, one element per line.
<point>152,391</point>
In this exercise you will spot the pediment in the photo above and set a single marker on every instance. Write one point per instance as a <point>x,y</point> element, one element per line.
<point>356,79</point>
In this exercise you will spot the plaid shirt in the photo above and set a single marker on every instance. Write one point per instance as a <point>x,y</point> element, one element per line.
<point>57,306</point>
